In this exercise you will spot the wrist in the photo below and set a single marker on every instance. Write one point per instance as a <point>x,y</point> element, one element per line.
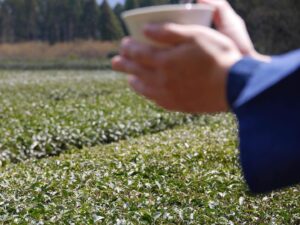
<point>260,57</point>
<point>225,68</point>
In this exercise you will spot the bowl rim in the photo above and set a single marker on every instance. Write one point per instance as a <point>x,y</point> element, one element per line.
<point>165,8</point>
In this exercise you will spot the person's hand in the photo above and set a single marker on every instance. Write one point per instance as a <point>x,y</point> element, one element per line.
<point>190,76</point>
<point>229,23</point>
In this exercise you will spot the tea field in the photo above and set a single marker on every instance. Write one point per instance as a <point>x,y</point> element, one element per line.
<point>46,113</point>
<point>80,148</point>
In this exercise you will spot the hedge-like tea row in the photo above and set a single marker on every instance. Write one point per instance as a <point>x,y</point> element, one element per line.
<point>45,113</point>
<point>78,64</point>
<point>187,175</point>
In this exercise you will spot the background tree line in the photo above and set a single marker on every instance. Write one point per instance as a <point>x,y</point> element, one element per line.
<point>63,20</point>
<point>274,24</point>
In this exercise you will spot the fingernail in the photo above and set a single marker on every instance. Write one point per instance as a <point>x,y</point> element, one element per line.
<point>116,61</point>
<point>125,41</point>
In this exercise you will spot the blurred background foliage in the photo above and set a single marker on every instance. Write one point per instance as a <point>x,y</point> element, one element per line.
<point>274,25</point>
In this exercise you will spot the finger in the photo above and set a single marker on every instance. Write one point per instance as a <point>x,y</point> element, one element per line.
<point>157,95</point>
<point>207,43</point>
<point>169,34</point>
<point>224,14</point>
<point>123,42</point>
<point>142,88</point>
<point>228,22</point>
<point>140,53</point>
<point>124,65</point>
<point>150,77</point>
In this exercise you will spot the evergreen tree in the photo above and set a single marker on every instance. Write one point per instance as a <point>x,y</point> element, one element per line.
<point>42,19</point>
<point>73,19</point>
<point>160,2</point>
<point>110,27</point>
<point>89,20</point>
<point>53,21</point>
<point>118,9</point>
<point>8,31</point>
<point>145,3</point>
<point>18,16</point>
<point>31,12</point>
<point>157,2</point>
<point>131,4</point>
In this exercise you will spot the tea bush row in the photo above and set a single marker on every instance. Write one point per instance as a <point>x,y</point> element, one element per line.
<point>46,113</point>
<point>187,175</point>
<point>77,64</point>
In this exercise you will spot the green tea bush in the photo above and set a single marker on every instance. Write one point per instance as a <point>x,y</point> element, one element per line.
<point>46,113</point>
<point>187,175</point>
<point>61,64</point>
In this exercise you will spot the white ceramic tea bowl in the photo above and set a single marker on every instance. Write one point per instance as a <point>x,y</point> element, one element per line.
<point>187,14</point>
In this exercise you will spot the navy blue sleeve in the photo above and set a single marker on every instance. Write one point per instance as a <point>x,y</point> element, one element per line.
<point>266,100</point>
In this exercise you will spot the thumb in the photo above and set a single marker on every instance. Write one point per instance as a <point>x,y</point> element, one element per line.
<point>224,15</point>
<point>169,33</point>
